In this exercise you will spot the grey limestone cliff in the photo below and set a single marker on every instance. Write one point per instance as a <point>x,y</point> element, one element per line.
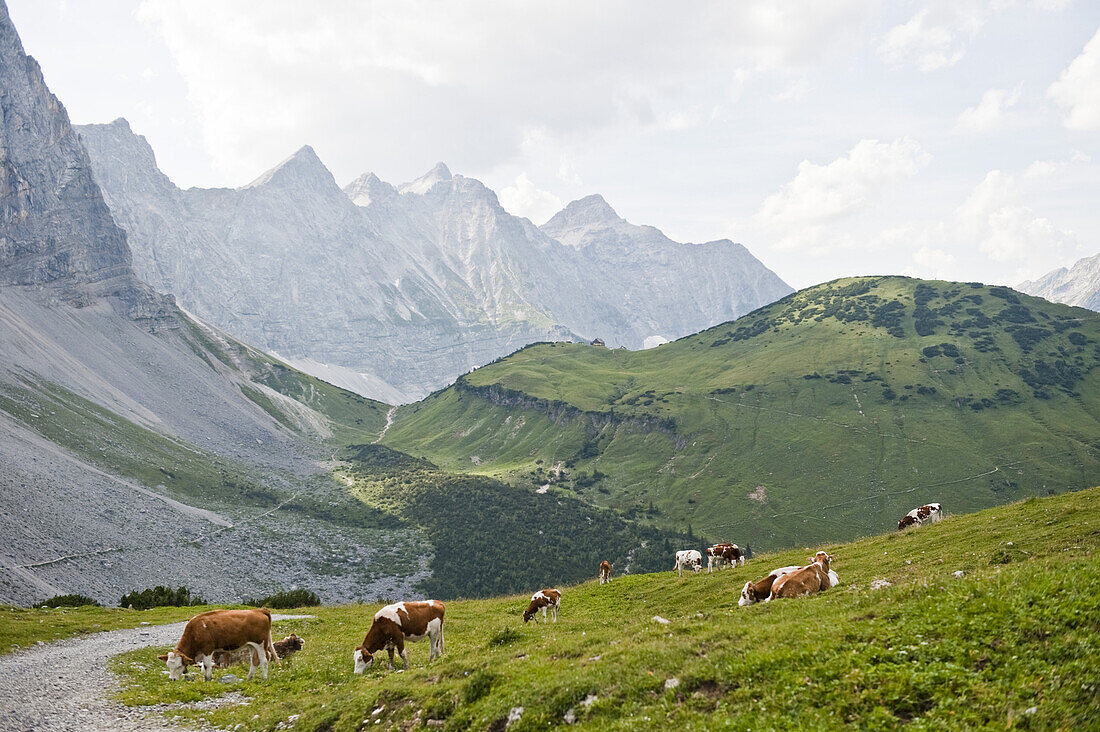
<point>1078,285</point>
<point>396,290</point>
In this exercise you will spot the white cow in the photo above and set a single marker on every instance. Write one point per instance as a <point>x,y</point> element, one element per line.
<point>688,558</point>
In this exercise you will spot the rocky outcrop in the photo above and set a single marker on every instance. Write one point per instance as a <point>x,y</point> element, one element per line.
<point>1079,285</point>
<point>397,290</point>
<point>57,236</point>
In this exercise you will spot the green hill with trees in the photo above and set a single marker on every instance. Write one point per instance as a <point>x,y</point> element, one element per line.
<point>824,416</point>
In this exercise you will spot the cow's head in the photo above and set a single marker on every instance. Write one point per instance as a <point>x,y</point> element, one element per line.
<point>177,664</point>
<point>294,643</point>
<point>907,521</point>
<point>821,558</point>
<point>362,658</point>
<point>528,614</point>
<point>748,595</point>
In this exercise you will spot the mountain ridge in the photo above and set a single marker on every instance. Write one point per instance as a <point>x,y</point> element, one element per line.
<point>398,276</point>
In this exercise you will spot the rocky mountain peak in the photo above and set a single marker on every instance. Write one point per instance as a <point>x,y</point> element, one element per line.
<point>56,232</point>
<point>301,168</point>
<point>424,183</point>
<point>369,188</point>
<point>588,211</point>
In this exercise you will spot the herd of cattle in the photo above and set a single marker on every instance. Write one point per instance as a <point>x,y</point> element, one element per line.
<point>224,637</point>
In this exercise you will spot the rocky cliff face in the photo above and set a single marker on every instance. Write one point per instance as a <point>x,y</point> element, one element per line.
<point>396,290</point>
<point>1079,285</point>
<point>57,236</point>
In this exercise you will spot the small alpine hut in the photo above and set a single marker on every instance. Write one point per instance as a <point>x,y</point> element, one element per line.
<point>599,342</point>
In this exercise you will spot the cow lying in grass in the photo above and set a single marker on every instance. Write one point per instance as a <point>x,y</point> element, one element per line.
<point>543,600</point>
<point>690,558</point>
<point>928,514</point>
<point>813,578</point>
<point>400,622</point>
<point>223,630</point>
<point>605,572</point>
<point>283,648</point>
<point>761,590</point>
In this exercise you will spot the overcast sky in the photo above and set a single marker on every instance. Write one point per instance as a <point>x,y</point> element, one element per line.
<point>956,139</point>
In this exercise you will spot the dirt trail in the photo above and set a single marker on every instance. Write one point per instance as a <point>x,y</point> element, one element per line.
<point>64,686</point>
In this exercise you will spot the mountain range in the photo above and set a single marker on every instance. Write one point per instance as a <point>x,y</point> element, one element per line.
<point>1078,285</point>
<point>393,291</point>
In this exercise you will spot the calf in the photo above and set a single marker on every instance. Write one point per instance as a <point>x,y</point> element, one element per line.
<point>927,514</point>
<point>283,648</point>
<point>723,554</point>
<point>810,579</point>
<point>605,572</point>
<point>541,600</point>
<point>400,622</point>
<point>688,558</point>
<point>761,590</point>
<point>223,630</point>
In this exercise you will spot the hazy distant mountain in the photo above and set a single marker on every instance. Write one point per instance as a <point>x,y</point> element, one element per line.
<point>1078,285</point>
<point>394,291</point>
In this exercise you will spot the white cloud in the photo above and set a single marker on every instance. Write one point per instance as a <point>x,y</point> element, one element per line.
<point>374,85</point>
<point>1004,229</point>
<point>933,262</point>
<point>1078,89</point>
<point>1050,6</point>
<point>990,111</point>
<point>524,199</point>
<point>935,38</point>
<point>819,194</point>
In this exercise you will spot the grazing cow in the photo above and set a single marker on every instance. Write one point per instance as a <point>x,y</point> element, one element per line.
<point>223,630</point>
<point>541,600</point>
<point>761,590</point>
<point>927,514</point>
<point>811,579</point>
<point>688,558</point>
<point>283,648</point>
<point>400,622</point>
<point>723,554</point>
<point>605,572</point>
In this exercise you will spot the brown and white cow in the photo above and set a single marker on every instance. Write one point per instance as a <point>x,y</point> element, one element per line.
<point>548,599</point>
<point>723,554</point>
<point>402,621</point>
<point>223,630</point>
<point>690,558</point>
<point>283,648</point>
<point>928,514</point>
<point>761,590</point>
<point>809,580</point>
<point>605,572</point>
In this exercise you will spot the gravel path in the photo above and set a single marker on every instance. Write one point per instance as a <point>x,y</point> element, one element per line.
<point>63,686</point>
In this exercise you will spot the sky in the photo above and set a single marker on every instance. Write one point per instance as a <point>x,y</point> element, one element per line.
<point>956,139</point>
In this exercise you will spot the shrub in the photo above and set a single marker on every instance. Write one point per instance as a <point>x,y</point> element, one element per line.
<point>289,599</point>
<point>67,601</point>
<point>160,596</point>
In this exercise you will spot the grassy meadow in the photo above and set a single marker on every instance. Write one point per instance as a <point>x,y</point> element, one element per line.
<point>1013,643</point>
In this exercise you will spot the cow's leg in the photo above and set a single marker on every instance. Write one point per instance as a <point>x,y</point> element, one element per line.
<point>270,648</point>
<point>390,649</point>
<point>258,657</point>
<point>401,652</point>
<point>555,612</point>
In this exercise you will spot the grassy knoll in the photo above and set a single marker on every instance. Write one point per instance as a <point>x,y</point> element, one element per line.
<point>21,627</point>
<point>821,417</point>
<point>1013,643</point>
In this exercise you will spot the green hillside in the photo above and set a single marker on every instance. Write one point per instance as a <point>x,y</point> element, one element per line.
<point>826,415</point>
<point>1012,643</point>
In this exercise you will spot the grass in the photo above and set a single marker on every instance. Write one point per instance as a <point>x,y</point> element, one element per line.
<point>1011,644</point>
<point>23,627</point>
<point>843,397</point>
